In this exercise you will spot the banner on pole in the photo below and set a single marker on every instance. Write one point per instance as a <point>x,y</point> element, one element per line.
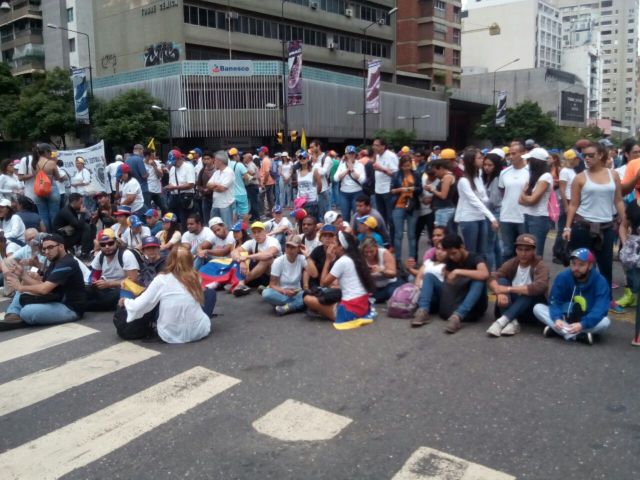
<point>94,161</point>
<point>294,80</point>
<point>80,95</point>
<point>501,109</point>
<point>373,86</point>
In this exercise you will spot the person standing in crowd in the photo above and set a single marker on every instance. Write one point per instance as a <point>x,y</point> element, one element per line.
<point>322,163</point>
<point>631,226</point>
<point>221,183</point>
<point>472,204</point>
<point>565,182</point>
<point>138,171</point>
<point>57,297</point>
<point>170,234</point>
<point>241,200</point>
<point>491,168</point>
<point>154,181</point>
<point>267,183</point>
<point>512,181</point>
<point>10,184</point>
<point>350,176</point>
<point>112,175</point>
<point>202,178</point>
<point>406,191</point>
<point>445,193</point>
<point>130,191</point>
<point>71,224</point>
<point>535,197</point>
<point>579,301</point>
<point>26,175</point>
<point>425,210</point>
<point>630,152</point>
<point>48,206</point>
<point>385,165</point>
<point>309,183</point>
<point>274,171</point>
<point>81,178</point>
<point>286,172</point>
<point>383,268</point>
<point>335,186</point>
<point>252,186</point>
<point>182,180</point>
<point>595,199</point>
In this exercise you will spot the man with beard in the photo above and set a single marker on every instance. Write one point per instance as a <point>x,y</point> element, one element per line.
<point>310,232</point>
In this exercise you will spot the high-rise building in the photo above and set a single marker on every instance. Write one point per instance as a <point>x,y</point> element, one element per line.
<point>21,39</point>
<point>429,37</point>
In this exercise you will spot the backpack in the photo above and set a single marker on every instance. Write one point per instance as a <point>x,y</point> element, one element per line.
<point>120,256</point>
<point>274,169</point>
<point>42,185</point>
<point>404,301</point>
<point>630,253</point>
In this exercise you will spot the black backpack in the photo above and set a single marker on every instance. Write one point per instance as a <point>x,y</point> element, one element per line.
<point>120,255</point>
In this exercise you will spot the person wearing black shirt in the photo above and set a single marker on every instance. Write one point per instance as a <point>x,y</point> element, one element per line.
<point>71,225</point>
<point>319,255</point>
<point>57,297</point>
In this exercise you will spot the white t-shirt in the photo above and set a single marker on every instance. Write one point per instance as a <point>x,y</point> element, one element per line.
<point>348,184</point>
<point>64,184</point>
<point>9,185</point>
<point>272,225</point>
<point>523,276</point>
<point>195,239</point>
<point>567,175</point>
<point>541,209</point>
<point>512,181</point>
<point>306,187</point>
<point>111,171</point>
<point>111,269</point>
<point>250,245</point>
<point>345,271</point>
<point>185,174</point>
<point>290,274</point>
<point>323,164</point>
<point>135,240</point>
<point>310,245</point>
<point>223,242</point>
<point>153,182</point>
<point>436,269</point>
<point>24,168</point>
<point>286,170</point>
<point>132,187</point>
<point>383,181</point>
<point>80,176</point>
<point>227,179</point>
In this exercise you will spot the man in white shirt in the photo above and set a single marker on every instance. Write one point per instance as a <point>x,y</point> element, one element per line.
<point>386,164</point>
<point>323,163</point>
<point>131,192</point>
<point>182,180</point>
<point>27,176</point>
<point>154,180</point>
<point>112,171</point>
<point>222,184</point>
<point>220,245</point>
<point>196,233</point>
<point>512,181</point>
<point>279,226</point>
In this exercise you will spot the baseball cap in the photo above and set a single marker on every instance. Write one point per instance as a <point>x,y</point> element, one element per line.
<point>405,149</point>
<point>570,154</point>
<point>605,142</point>
<point>583,254</point>
<point>304,154</point>
<point>258,225</point>
<point>123,210</point>
<point>498,151</point>
<point>124,168</point>
<point>277,209</point>
<point>328,229</point>
<point>505,149</point>
<point>529,143</point>
<point>215,221</point>
<point>437,147</point>
<point>238,227</point>
<point>5,203</point>
<point>150,241</point>
<point>152,212</point>
<point>263,150</point>
<point>369,221</point>
<point>330,217</point>
<point>537,153</point>
<point>350,149</point>
<point>106,235</point>
<point>299,213</point>
<point>285,154</point>
<point>294,240</point>
<point>233,151</point>
<point>170,217</point>
<point>526,239</point>
<point>197,150</point>
<point>448,154</point>
<point>135,222</point>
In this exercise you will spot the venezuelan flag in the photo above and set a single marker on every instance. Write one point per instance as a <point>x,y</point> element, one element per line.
<point>130,289</point>
<point>220,270</point>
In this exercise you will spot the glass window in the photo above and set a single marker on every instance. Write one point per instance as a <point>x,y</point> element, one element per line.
<point>69,15</point>
<point>211,22</point>
<point>72,45</point>
<point>193,15</point>
<point>203,17</point>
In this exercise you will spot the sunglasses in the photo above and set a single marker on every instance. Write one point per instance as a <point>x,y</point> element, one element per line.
<point>590,155</point>
<point>50,247</point>
<point>108,244</point>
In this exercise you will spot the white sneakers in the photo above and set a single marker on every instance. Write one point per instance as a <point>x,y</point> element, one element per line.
<point>496,329</point>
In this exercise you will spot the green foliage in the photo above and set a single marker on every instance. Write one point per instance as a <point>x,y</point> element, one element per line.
<point>566,137</point>
<point>10,87</point>
<point>396,138</point>
<point>44,108</point>
<point>129,119</point>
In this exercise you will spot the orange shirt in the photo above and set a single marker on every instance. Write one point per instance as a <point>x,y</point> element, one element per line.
<point>265,167</point>
<point>631,172</point>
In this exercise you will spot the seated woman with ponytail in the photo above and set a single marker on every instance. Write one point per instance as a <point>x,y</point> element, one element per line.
<point>351,273</point>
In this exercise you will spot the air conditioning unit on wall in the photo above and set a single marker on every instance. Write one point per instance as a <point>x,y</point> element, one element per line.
<point>331,45</point>
<point>348,12</point>
<point>313,5</point>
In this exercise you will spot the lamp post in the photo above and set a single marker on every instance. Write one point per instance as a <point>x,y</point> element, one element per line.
<point>413,120</point>
<point>57,27</point>
<point>365,72</point>
<point>285,106</point>
<point>169,111</point>
<point>494,76</point>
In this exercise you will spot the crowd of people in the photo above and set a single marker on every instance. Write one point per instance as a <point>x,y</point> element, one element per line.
<point>329,233</point>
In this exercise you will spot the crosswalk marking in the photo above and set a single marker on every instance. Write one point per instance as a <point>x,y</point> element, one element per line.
<point>429,464</point>
<point>294,421</point>
<point>41,340</point>
<point>84,441</point>
<point>38,386</point>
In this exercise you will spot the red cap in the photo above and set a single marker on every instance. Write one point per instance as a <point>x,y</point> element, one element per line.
<point>264,150</point>
<point>124,168</point>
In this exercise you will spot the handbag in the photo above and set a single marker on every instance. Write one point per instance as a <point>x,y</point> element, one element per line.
<point>186,199</point>
<point>411,205</point>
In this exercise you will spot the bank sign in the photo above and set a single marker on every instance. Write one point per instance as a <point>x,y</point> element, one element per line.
<point>230,68</point>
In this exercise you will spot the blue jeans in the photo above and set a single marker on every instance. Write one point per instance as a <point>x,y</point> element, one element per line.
<point>474,236</point>
<point>335,193</point>
<point>226,214</point>
<point>285,193</point>
<point>348,204</point>
<point>541,311</point>
<point>399,216</point>
<point>382,294</point>
<point>324,204</point>
<point>509,232</point>
<point>443,216</point>
<point>206,210</point>
<point>538,227</point>
<point>49,207</point>
<point>430,293</point>
<point>276,190</point>
<point>520,306</point>
<point>276,298</point>
<point>42,313</point>
<point>476,290</point>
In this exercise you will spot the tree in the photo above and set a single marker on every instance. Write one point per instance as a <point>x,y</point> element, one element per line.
<point>526,120</point>
<point>396,138</point>
<point>10,87</point>
<point>44,110</point>
<point>129,119</point>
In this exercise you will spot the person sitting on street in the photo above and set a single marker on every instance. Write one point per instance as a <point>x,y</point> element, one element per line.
<point>19,263</point>
<point>255,258</point>
<point>285,286</point>
<point>220,246</point>
<point>11,229</point>
<point>131,191</point>
<point>335,218</point>
<point>309,227</point>
<point>103,217</point>
<point>579,301</point>
<point>239,230</point>
<point>318,256</point>
<point>152,217</point>
<point>71,224</point>
<point>434,265</point>
<point>132,236</point>
<point>364,209</point>
<point>196,234</point>
<point>122,214</point>
<point>26,209</point>
<point>519,284</point>
<point>367,229</point>
<point>109,268</point>
<point>175,301</point>
<point>382,265</point>
<point>463,294</point>
<point>279,226</point>
<point>170,234</point>
<point>56,297</point>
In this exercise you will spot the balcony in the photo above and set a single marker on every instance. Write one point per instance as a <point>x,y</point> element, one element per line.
<point>22,10</point>
<point>22,37</point>
<point>27,64</point>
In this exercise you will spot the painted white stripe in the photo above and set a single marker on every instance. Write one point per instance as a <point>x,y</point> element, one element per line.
<point>38,386</point>
<point>294,421</point>
<point>41,340</point>
<point>429,464</point>
<point>86,440</point>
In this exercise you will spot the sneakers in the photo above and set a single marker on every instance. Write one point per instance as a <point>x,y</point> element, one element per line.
<point>636,341</point>
<point>282,309</point>
<point>585,337</point>
<point>228,288</point>
<point>495,330</point>
<point>213,286</point>
<point>628,299</point>
<point>421,318</point>
<point>614,307</point>
<point>547,332</point>
<point>454,323</point>
<point>241,290</point>
<point>11,321</point>
<point>512,328</point>
<point>261,288</point>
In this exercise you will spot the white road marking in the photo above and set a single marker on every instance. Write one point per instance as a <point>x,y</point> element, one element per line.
<point>38,386</point>
<point>294,421</point>
<point>90,438</point>
<point>429,464</point>
<point>41,340</point>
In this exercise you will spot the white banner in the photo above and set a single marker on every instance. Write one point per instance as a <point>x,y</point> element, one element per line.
<point>501,109</point>
<point>80,96</point>
<point>94,161</point>
<point>373,86</point>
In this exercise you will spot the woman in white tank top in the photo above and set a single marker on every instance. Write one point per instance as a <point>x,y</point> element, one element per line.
<point>382,265</point>
<point>595,199</point>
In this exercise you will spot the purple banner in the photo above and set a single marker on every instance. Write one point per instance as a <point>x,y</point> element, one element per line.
<point>294,81</point>
<point>373,86</point>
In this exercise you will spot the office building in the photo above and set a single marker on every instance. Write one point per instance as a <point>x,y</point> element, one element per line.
<point>21,39</point>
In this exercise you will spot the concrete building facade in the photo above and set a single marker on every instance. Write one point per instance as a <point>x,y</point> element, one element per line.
<point>21,36</point>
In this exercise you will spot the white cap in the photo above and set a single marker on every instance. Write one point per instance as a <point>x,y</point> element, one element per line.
<point>5,203</point>
<point>499,152</point>
<point>278,154</point>
<point>330,217</point>
<point>285,154</point>
<point>537,153</point>
<point>215,221</point>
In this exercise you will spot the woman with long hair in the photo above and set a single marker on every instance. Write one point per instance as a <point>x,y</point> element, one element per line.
<point>352,275</point>
<point>382,266</point>
<point>595,199</point>
<point>535,197</point>
<point>10,185</point>
<point>491,169</point>
<point>472,204</point>
<point>240,234</point>
<point>170,234</point>
<point>183,313</point>
<point>406,191</point>
<point>48,207</point>
<point>308,183</point>
<point>286,171</point>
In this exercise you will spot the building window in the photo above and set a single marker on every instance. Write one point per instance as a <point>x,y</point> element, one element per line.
<point>456,58</point>
<point>69,15</point>
<point>456,36</point>
<point>439,32</point>
<point>439,9</point>
<point>72,45</point>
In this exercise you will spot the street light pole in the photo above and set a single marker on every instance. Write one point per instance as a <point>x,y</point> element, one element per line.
<point>58,27</point>
<point>285,106</point>
<point>494,76</point>
<point>169,112</point>
<point>413,120</point>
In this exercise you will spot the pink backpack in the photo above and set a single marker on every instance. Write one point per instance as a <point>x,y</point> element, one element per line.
<point>553,208</point>
<point>404,301</point>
